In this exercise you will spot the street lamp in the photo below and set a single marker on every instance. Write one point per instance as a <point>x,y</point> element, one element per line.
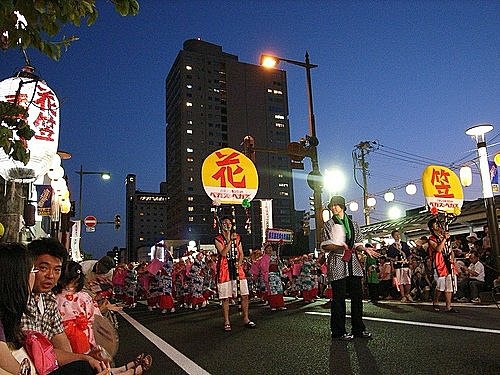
<point>478,132</point>
<point>314,177</point>
<point>81,172</point>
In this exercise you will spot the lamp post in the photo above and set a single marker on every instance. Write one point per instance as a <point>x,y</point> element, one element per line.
<point>81,172</point>
<point>478,133</point>
<point>314,177</point>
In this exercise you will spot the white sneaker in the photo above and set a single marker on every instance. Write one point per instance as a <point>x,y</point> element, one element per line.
<point>164,311</point>
<point>172,309</point>
<point>150,308</point>
<point>476,300</point>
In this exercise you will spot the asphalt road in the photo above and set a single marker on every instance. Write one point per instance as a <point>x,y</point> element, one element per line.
<point>408,339</point>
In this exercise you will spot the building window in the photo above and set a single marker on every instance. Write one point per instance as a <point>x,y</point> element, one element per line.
<point>189,67</point>
<point>190,209</point>
<point>190,199</point>
<point>190,218</point>
<point>190,160</point>
<point>189,86</point>
<point>189,131</point>
<point>189,150</point>
<point>278,92</point>
<point>189,104</point>
<point>280,125</point>
<point>270,91</point>
<point>279,117</point>
<point>190,122</point>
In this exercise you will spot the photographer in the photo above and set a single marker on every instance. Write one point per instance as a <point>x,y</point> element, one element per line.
<point>473,281</point>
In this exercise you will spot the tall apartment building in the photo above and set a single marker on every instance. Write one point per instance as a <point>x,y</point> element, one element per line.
<point>213,101</point>
<point>145,220</point>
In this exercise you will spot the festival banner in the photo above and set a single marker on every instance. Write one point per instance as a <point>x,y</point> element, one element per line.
<point>442,190</point>
<point>44,204</point>
<point>229,177</point>
<point>493,175</point>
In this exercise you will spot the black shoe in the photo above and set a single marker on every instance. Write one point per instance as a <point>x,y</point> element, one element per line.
<point>363,335</point>
<point>344,337</point>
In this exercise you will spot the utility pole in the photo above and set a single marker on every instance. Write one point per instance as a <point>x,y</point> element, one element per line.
<point>362,150</point>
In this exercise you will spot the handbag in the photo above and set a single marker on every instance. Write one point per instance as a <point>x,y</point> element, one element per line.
<point>41,351</point>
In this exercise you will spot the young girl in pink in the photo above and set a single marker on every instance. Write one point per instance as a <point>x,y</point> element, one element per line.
<point>78,311</point>
<point>76,307</point>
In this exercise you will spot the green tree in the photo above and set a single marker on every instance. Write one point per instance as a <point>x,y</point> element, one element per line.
<point>44,19</point>
<point>37,23</point>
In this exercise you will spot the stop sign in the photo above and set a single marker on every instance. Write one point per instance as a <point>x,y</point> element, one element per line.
<point>90,221</point>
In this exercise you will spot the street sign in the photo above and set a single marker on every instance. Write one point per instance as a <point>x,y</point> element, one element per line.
<point>90,221</point>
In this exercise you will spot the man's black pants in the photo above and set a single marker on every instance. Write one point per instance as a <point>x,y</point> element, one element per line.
<point>340,288</point>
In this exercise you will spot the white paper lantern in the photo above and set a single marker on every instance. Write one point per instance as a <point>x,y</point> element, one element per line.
<point>59,185</point>
<point>389,196</point>
<point>353,206</point>
<point>43,118</point>
<point>466,176</point>
<point>411,189</point>
<point>56,173</point>
<point>56,161</point>
<point>371,202</point>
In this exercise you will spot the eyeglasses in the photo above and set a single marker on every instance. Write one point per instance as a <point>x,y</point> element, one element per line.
<point>34,270</point>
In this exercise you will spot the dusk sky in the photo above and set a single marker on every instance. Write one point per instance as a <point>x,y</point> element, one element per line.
<point>410,75</point>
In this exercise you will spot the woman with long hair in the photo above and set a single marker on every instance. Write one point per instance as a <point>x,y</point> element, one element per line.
<point>16,274</point>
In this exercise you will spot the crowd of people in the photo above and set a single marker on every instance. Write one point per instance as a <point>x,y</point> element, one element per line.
<point>400,271</point>
<point>46,317</point>
<point>58,300</point>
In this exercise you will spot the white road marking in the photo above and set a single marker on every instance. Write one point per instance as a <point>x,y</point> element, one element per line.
<point>423,324</point>
<point>180,359</point>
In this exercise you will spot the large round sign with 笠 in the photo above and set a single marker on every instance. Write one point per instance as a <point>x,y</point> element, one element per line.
<point>442,189</point>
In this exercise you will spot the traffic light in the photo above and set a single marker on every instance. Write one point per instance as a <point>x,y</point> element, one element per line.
<point>117,222</point>
<point>311,205</point>
<point>305,223</point>
<point>249,147</point>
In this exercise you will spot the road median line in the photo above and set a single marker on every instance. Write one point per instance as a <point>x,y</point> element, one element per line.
<point>423,324</point>
<point>180,359</point>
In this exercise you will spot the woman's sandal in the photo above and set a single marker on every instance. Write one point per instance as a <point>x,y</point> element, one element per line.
<point>227,327</point>
<point>143,360</point>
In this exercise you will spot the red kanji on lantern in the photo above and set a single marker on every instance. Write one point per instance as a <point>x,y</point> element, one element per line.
<point>440,181</point>
<point>226,173</point>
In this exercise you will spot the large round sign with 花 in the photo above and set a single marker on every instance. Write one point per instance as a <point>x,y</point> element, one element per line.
<point>31,92</point>
<point>442,190</point>
<point>229,177</point>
